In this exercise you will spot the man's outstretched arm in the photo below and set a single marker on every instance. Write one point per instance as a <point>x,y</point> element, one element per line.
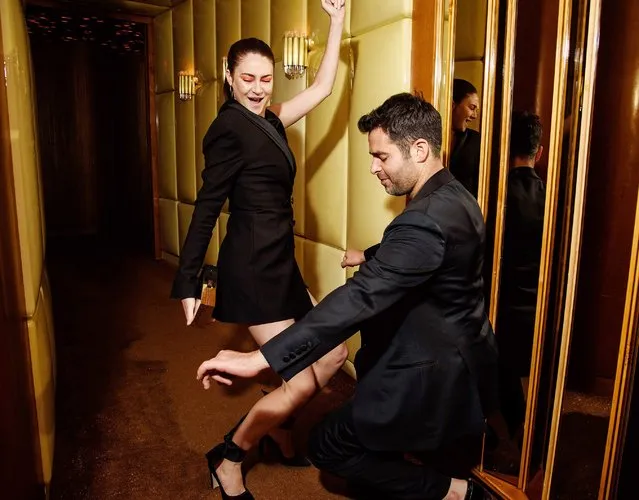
<point>412,249</point>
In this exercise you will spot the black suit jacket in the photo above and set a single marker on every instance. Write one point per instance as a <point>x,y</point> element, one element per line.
<point>426,368</point>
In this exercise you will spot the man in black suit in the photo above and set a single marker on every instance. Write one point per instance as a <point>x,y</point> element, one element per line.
<point>427,365</point>
<point>521,255</point>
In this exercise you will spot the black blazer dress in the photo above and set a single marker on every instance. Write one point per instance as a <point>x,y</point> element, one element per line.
<point>248,161</point>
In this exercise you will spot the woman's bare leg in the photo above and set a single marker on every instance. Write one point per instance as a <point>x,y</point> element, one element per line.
<point>277,406</point>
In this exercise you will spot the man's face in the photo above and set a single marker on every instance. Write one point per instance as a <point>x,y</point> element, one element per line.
<point>397,173</point>
<point>465,112</point>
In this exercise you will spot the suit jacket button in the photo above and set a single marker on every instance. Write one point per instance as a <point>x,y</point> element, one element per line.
<point>309,344</point>
<point>292,355</point>
<point>285,359</point>
<point>303,348</point>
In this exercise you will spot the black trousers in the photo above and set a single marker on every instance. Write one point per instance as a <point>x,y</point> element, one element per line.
<point>334,447</point>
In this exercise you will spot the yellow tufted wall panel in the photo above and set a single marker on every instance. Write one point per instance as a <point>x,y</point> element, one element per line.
<point>256,19</point>
<point>17,66</point>
<point>285,89</point>
<point>470,42</point>
<point>337,202</point>
<point>470,29</point>
<point>167,172</point>
<point>370,209</point>
<point>37,315</point>
<point>286,15</point>
<point>163,55</point>
<point>204,38</point>
<point>40,342</point>
<point>319,22</point>
<point>185,150</point>
<point>169,232</point>
<point>228,28</point>
<point>369,14</point>
<point>205,111</point>
<point>327,158</point>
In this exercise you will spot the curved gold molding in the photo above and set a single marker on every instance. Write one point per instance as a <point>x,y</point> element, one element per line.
<point>625,367</point>
<point>576,236</point>
<point>446,95</point>
<point>552,190</point>
<point>504,152</point>
<point>488,101</point>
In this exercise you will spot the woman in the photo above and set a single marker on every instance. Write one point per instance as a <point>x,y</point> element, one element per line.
<point>465,142</point>
<point>247,159</point>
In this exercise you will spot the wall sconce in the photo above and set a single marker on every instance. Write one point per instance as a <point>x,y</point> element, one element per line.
<point>295,54</point>
<point>188,85</point>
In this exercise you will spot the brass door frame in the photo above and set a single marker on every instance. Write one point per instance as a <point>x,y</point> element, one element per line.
<point>550,211</point>
<point>447,93</point>
<point>487,104</point>
<point>577,233</point>
<point>626,368</point>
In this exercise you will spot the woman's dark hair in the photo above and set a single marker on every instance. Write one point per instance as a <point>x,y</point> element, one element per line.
<point>462,88</point>
<point>240,49</point>
<point>405,118</point>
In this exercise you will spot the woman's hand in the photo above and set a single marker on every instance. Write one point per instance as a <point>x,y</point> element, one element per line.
<point>335,9</point>
<point>190,306</point>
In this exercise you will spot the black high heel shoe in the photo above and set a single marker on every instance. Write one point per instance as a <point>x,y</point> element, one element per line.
<point>227,450</point>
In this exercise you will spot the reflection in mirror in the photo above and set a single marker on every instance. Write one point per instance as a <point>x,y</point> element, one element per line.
<point>464,141</point>
<point>470,47</point>
<point>522,229</point>
<point>613,181</point>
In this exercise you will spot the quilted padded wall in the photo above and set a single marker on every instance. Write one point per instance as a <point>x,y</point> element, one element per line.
<point>37,315</point>
<point>337,202</point>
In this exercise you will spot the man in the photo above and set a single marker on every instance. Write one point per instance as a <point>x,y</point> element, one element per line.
<point>427,363</point>
<point>521,254</point>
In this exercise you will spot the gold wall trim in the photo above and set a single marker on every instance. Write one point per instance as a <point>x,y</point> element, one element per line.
<point>504,151</point>
<point>576,236</point>
<point>487,105</point>
<point>447,94</point>
<point>550,211</point>
<point>502,488</point>
<point>623,377</point>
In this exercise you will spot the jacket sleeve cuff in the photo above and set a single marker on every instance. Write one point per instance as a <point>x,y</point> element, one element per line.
<point>185,288</point>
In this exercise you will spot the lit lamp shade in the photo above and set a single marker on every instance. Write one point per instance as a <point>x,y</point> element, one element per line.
<point>295,54</point>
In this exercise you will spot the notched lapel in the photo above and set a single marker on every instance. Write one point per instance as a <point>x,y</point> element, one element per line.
<point>271,132</point>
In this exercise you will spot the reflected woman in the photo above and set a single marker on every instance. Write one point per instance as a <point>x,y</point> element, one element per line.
<point>248,161</point>
<point>465,142</point>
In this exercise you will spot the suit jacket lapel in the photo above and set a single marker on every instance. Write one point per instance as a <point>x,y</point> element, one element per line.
<point>265,126</point>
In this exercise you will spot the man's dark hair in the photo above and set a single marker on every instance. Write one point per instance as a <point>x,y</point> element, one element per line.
<point>405,118</point>
<point>462,88</point>
<point>525,135</point>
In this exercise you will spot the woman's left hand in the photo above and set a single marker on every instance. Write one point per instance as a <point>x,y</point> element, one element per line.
<point>335,9</point>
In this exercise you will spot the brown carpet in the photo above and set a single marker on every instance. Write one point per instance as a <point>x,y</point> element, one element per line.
<point>132,422</point>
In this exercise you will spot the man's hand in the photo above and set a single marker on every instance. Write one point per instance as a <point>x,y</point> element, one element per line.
<point>353,258</point>
<point>190,306</point>
<point>239,364</point>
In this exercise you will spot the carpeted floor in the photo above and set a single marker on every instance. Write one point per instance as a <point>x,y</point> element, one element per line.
<point>132,422</point>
